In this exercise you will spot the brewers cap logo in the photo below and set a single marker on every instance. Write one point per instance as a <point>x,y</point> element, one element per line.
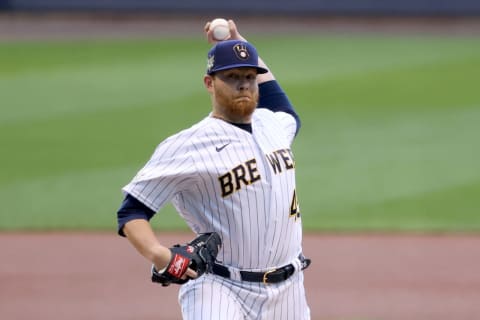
<point>241,51</point>
<point>210,63</point>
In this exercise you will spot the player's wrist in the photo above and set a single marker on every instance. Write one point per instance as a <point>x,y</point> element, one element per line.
<point>157,270</point>
<point>161,258</point>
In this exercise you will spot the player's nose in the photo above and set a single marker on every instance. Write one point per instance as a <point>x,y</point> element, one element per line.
<point>243,84</point>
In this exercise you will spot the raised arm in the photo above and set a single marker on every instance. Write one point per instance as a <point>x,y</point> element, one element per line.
<point>235,35</point>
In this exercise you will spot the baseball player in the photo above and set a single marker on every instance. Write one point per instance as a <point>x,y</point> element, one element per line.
<point>232,175</point>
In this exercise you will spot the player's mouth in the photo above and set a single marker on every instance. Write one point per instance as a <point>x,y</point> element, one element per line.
<point>243,98</point>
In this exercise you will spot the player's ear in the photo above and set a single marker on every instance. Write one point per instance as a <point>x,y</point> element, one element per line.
<point>208,82</point>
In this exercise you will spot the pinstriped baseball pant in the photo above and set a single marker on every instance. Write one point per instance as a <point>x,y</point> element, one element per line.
<point>212,297</point>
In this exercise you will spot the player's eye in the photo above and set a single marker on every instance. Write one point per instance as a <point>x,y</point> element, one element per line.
<point>230,76</point>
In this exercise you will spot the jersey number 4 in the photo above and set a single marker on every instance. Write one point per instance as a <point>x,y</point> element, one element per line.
<point>294,207</point>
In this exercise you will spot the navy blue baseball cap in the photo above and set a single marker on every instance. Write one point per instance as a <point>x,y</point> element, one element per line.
<point>231,54</point>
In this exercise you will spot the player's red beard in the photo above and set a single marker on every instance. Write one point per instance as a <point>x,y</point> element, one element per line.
<point>237,106</point>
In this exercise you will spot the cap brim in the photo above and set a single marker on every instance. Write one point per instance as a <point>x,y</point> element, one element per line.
<point>260,70</point>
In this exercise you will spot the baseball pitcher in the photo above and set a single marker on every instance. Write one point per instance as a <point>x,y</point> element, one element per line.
<point>231,176</point>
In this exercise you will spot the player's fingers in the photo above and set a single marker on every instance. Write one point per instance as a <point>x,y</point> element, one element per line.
<point>234,34</point>
<point>190,274</point>
<point>233,28</point>
<point>207,26</point>
<point>209,33</point>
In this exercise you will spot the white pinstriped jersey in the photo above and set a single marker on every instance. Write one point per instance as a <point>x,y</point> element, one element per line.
<point>242,185</point>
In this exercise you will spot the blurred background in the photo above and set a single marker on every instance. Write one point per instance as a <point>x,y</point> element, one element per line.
<point>259,8</point>
<point>388,93</point>
<point>389,147</point>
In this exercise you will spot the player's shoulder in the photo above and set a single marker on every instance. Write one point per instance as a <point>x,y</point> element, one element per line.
<point>263,112</point>
<point>279,123</point>
<point>279,118</point>
<point>186,136</point>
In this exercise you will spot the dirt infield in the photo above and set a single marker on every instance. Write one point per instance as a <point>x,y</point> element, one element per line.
<point>352,277</point>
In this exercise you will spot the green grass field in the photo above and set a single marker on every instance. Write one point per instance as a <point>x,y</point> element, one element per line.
<point>390,137</point>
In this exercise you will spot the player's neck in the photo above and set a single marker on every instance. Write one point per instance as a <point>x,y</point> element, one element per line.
<point>244,126</point>
<point>232,119</point>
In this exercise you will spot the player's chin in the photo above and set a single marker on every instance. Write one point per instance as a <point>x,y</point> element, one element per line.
<point>245,108</point>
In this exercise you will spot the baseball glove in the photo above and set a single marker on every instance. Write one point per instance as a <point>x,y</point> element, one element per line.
<point>198,255</point>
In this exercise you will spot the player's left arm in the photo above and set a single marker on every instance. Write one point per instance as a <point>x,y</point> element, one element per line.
<point>272,97</point>
<point>271,94</point>
<point>133,221</point>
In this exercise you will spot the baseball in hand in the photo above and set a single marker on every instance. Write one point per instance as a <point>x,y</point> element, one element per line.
<point>220,29</point>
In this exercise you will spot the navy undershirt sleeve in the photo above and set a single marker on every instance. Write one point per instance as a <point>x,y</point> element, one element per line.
<point>273,97</point>
<point>132,209</point>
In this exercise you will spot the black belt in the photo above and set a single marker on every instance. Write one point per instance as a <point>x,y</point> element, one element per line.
<point>271,276</point>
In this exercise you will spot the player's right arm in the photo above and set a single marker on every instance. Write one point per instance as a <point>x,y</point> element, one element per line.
<point>235,35</point>
<point>271,94</point>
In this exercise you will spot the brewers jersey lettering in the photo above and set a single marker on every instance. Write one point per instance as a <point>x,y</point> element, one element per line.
<point>240,184</point>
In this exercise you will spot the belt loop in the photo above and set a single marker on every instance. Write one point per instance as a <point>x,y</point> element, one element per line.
<point>235,274</point>
<point>297,264</point>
